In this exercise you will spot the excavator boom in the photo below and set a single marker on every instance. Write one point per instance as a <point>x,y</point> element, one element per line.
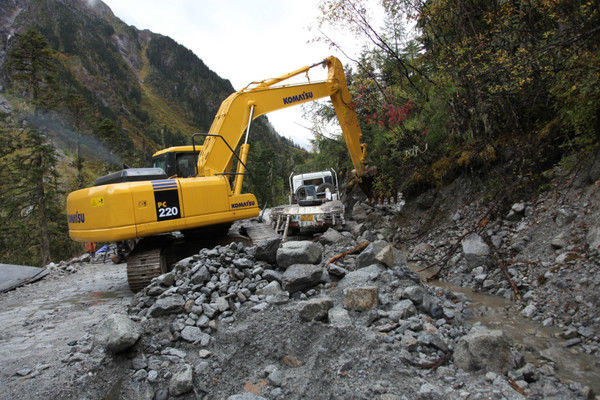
<point>238,110</point>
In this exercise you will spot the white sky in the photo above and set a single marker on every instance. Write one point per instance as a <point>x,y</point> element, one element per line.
<point>242,41</point>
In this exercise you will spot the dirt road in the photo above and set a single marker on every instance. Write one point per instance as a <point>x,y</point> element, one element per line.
<point>44,325</point>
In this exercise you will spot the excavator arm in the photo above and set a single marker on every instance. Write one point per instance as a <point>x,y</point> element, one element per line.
<point>238,110</point>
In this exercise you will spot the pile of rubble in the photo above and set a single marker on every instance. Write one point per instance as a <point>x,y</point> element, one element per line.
<point>542,254</point>
<point>279,321</point>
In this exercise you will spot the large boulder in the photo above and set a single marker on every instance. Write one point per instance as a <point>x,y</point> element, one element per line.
<point>300,252</point>
<point>483,349</point>
<point>301,276</point>
<point>370,254</point>
<point>117,333</point>
<point>360,298</point>
<point>266,250</point>
<point>361,277</point>
<point>182,381</point>
<point>476,251</point>
<point>315,309</point>
<point>167,305</point>
<point>331,236</point>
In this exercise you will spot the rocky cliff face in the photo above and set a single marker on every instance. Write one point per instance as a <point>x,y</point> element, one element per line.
<point>155,91</point>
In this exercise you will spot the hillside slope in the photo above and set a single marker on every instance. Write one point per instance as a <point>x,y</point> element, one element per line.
<point>135,90</point>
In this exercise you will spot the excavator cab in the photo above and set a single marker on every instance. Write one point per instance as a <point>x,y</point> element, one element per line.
<point>179,161</point>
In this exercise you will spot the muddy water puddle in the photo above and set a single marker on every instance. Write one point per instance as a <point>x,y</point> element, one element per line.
<point>537,342</point>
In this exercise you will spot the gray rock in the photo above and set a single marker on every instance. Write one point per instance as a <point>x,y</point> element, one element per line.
<point>301,276</point>
<point>339,317</point>
<point>315,309</point>
<point>331,236</point>
<point>360,212</point>
<point>586,331</point>
<point>272,275</point>
<point>266,250</point>
<point>431,306</point>
<point>194,334</point>
<point>140,375</point>
<point>152,376</point>
<point>23,372</point>
<point>161,394</point>
<point>336,270</point>
<point>483,349</point>
<point>593,238</point>
<point>201,368</point>
<point>243,263</point>
<point>174,352</point>
<point>167,305</point>
<point>300,252</point>
<point>272,289</point>
<point>260,307</point>
<point>414,294</point>
<point>427,391</point>
<point>529,311</point>
<point>276,378</point>
<point>246,396</point>
<point>572,342</point>
<point>402,310</point>
<point>209,310</point>
<point>369,255</point>
<point>560,241</point>
<point>564,217</point>
<point>361,276</point>
<point>518,208</point>
<point>117,333</point>
<point>166,280</point>
<point>476,251</point>
<point>221,304</point>
<point>139,363</point>
<point>182,381</point>
<point>200,276</point>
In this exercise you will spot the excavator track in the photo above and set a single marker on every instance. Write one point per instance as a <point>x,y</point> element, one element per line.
<point>143,266</point>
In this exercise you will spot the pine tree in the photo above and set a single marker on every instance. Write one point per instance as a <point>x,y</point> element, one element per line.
<point>32,217</point>
<point>31,66</point>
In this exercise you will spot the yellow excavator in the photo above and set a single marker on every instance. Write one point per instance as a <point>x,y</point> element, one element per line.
<point>190,188</point>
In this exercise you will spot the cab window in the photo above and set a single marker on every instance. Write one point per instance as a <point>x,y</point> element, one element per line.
<point>186,165</point>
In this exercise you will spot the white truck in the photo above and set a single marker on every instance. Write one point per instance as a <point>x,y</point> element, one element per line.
<point>314,204</point>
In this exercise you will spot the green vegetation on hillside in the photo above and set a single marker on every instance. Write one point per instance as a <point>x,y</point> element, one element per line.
<point>480,84</point>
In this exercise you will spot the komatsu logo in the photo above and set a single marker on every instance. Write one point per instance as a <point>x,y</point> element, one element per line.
<point>244,204</point>
<point>298,97</point>
<point>76,218</point>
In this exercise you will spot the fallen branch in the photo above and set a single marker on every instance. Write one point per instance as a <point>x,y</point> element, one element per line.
<point>359,247</point>
<point>515,289</point>
<point>515,386</point>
